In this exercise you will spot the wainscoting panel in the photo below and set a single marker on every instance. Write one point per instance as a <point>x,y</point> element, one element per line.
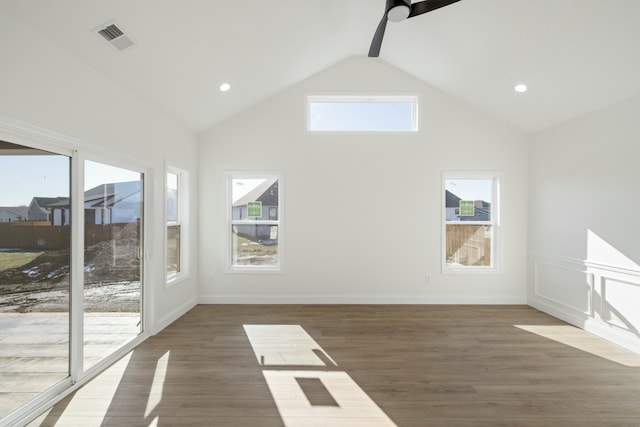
<point>564,283</point>
<point>601,299</point>
<point>621,302</point>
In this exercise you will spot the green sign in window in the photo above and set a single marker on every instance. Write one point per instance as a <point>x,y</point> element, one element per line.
<point>254,209</point>
<point>467,208</point>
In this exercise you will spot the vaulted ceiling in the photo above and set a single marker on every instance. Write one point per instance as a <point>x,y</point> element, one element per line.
<point>576,56</point>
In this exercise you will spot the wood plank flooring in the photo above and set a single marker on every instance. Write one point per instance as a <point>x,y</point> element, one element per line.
<point>362,365</point>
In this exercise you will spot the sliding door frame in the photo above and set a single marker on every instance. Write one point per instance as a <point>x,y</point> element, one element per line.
<point>31,136</point>
<point>78,296</point>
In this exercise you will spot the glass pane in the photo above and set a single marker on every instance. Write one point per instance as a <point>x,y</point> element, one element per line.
<point>34,273</point>
<point>469,245</point>
<point>113,208</point>
<point>173,227</point>
<point>468,199</point>
<point>173,249</point>
<point>172,197</point>
<point>358,115</point>
<point>254,245</point>
<point>254,199</point>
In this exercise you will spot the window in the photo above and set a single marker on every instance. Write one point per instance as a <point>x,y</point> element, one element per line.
<point>471,213</point>
<point>362,113</point>
<point>255,224</point>
<point>175,199</point>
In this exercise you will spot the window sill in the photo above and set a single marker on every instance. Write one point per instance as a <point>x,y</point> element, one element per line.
<point>176,279</point>
<point>472,270</point>
<point>249,270</point>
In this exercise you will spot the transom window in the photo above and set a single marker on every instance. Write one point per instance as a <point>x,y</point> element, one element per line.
<point>362,113</point>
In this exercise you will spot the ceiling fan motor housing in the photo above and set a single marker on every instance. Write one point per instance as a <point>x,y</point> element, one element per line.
<point>398,10</point>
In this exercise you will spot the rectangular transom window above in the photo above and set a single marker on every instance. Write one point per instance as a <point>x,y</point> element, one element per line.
<point>362,113</point>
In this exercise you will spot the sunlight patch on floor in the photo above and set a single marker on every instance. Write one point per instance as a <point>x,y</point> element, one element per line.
<point>349,404</point>
<point>585,341</point>
<point>284,345</point>
<point>323,395</point>
<point>157,385</point>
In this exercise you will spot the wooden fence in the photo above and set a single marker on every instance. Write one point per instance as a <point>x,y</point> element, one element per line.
<point>34,235</point>
<point>468,245</point>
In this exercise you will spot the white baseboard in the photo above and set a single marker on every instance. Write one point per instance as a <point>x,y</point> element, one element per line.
<point>359,299</point>
<point>174,315</point>
<point>595,327</point>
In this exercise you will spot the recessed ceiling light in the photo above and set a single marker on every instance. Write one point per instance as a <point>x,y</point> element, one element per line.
<point>224,87</point>
<point>521,88</point>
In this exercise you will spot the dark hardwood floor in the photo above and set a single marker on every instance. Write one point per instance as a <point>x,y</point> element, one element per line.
<point>363,365</point>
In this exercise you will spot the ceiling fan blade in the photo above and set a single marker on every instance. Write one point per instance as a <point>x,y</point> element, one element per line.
<point>428,5</point>
<point>376,43</point>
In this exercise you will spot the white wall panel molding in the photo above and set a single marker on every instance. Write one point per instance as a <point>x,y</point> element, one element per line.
<point>612,268</point>
<point>576,291</point>
<point>602,299</point>
<point>620,294</point>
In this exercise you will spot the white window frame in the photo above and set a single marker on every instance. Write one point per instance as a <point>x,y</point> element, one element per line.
<point>230,267</point>
<point>496,235</point>
<point>363,98</point>
<point>182,214</point>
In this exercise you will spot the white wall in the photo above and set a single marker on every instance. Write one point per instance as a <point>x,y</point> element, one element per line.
<point>336,248</point>
<point>584,251</point>
<point>44,87</point>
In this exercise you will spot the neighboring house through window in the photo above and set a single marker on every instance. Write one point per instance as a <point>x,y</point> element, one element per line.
<point>13,213</point>
<point>255,221</point>
<point>471,221</point>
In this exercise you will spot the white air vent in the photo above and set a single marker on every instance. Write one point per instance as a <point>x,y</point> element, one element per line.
<point>115,36</point>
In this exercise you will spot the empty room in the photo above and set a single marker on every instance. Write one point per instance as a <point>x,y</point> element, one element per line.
<point>319,213</point>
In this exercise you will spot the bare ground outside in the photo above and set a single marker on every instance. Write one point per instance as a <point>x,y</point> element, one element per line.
<point>39,281</point>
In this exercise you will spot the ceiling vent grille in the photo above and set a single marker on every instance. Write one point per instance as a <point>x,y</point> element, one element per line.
<point>111,32</point>
<point>115,36</point>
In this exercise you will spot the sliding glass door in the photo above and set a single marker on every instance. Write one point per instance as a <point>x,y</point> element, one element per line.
<point>71,270</point>
<point>35,265</point>
<point>113,248</point>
